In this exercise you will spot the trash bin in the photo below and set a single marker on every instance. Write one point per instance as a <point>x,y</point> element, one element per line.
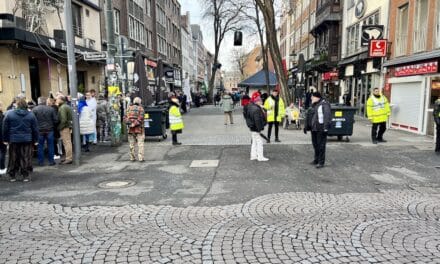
<point>155,122</point>
<point>342,121</point>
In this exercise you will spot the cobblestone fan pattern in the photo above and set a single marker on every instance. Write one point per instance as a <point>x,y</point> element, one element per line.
<point>389,227</point>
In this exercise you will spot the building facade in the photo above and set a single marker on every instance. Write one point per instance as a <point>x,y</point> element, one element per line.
<point>327,33</point>
<point>301,46</point>
<point>199,64</point>
<point>359,73</point>
<point>412,71</point>
<point>33,48</point>
<point>187,50</point>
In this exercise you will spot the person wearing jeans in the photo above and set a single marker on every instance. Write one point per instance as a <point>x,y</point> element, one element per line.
<point>47,119</point>
<point>46,137</point>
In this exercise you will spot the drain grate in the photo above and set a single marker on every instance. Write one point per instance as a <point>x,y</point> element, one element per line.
<point>116,184</point>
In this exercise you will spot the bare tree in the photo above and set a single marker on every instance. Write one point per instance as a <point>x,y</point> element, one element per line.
<point>267,8</point>
<point>225,15</point>
<point>239,59</point>
<point>256,21</point>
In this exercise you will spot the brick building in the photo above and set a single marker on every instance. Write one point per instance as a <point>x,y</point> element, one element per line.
<point>412,71</point>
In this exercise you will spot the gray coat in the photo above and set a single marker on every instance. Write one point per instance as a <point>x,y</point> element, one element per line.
<point>227,103</point>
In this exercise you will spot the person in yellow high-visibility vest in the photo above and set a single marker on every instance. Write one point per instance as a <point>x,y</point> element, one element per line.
<point>274,106</point>
<point>176,121</point>
<point>378,112</point>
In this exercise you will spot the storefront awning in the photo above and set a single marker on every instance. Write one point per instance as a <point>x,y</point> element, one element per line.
<point>353,59</point>
<point>413,58</point>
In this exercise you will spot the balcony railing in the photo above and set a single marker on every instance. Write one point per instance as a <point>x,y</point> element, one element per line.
<point>78,31</point>
<point>420,40</point>
<point>401,44</point>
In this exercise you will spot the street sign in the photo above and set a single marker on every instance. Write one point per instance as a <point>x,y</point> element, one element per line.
<point>378,48</point>
<point>95,56</point>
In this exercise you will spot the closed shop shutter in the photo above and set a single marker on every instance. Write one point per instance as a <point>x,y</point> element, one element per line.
<point>407,99</point>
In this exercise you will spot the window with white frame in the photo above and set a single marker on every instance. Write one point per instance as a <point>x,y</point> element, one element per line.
<point>116,15</point>
<point>353,39</point>
<point>312,19</point>
<point>148,8</point>
<point>401,31</point>
<point>77,20</point>
<point>420,25</point>
<point>437,26</point>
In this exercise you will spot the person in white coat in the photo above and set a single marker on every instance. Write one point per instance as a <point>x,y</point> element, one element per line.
<point>93,105</point>
<point>86,123</point>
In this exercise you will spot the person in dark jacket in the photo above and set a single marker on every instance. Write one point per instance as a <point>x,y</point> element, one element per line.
<point>47,120</point>
<point>3,147</point>
<point>256,120</point>
<point>20,131</point>
<point>319,125</point>
<point>65,127</point>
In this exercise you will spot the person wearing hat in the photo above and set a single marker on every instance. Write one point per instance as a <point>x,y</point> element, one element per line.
<point>176,121</point>
<point>274,106</point>
<point>256,120</point>
<point>319,125</point>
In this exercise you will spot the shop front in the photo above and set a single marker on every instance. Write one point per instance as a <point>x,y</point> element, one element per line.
<point>330,86</point>
<point>360,75</point>
<point>413,89</point>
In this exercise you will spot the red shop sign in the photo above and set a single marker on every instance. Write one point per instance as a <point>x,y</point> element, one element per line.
<point>150,63</point>
<point>416,69</point>
<point>326,76</point>
<point>378,48</point>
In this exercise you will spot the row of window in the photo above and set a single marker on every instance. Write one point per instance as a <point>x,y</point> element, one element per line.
<point>354,33</point>
<point>420,28</point>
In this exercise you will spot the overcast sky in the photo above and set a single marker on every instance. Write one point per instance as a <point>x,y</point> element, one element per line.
<point>196,17</point>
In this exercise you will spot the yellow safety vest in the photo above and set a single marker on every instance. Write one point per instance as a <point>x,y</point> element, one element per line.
<point>378,109</point>
<point>175,117</point>
<point>269,105</point>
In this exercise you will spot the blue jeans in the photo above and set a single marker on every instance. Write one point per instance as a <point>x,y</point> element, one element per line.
<point>49,138</point>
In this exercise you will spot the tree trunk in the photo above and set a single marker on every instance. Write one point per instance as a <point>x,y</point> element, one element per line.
<point>266,7</point>
<point>263,49</point>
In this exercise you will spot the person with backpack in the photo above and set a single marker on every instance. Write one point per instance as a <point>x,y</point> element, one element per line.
<point>256,120</point>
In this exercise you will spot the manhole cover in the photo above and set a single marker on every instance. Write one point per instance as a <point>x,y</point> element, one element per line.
<point>116,184</point>
<point>204,164</point>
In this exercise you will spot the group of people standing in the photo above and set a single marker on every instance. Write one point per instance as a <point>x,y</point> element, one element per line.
<point>318,120</point>
<point>49,127</point>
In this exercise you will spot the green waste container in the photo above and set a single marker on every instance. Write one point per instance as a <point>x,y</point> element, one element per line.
<point>155,120</point>
<point>342,121</point>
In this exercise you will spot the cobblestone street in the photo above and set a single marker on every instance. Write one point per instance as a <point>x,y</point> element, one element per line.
<point>394,227</point>
<point>205,202</point>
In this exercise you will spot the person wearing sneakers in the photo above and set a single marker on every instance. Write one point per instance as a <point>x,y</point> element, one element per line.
<point>256,120</point>
<point>274,106</point>
<point>176,121</point>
